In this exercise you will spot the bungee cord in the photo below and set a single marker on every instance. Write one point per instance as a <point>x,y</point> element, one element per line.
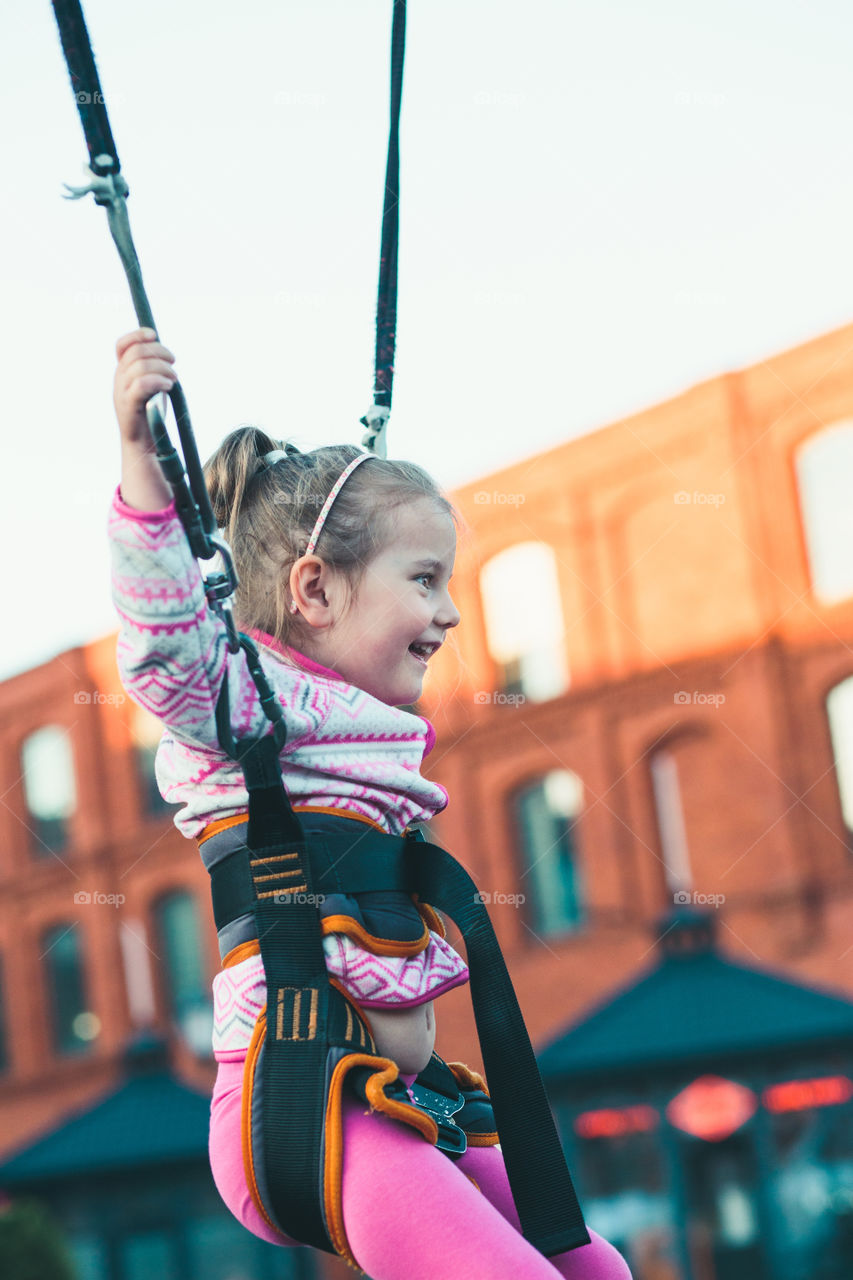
<point>376,418</point>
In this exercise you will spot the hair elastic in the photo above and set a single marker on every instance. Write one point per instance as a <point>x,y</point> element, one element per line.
<point>333,493</point>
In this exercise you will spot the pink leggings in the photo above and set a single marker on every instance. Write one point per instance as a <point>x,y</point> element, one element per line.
<point>410,1213</point>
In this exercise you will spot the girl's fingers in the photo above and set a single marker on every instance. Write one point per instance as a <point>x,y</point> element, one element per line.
<point>134,345</point>
<point>138,335</point>
<point>149,385</point>
<point>140,367</point>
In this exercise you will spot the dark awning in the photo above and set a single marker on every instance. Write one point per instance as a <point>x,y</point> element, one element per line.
<point>151,1119</point>
<point>694,1006</point>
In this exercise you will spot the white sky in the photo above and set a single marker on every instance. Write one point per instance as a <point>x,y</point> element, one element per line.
<point>602,204</point>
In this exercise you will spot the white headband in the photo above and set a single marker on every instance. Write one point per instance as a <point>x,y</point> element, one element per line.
<point>335,490</point>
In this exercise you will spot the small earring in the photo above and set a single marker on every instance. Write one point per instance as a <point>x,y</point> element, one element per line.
<point>294,608</point>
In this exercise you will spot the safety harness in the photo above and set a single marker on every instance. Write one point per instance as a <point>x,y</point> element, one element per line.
<point>312,1043</point>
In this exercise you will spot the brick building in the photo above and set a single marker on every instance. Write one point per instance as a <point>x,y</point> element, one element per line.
<point>648,701</point>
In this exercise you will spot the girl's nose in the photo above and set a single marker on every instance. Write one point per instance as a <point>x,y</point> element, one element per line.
<point>448,615</point>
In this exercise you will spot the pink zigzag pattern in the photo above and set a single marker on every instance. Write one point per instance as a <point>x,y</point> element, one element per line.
<point>345,750</point>
<point>239,992</point>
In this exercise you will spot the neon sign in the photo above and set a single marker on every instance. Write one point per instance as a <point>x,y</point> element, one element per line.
<point>802,1095</point>
<point>712,1108</point>
<point>614,1122</point>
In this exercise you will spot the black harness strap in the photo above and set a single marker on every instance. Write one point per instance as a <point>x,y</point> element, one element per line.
<point>551,1217</point>
<point>103,156</point>
<point>299,998</point>
<point>376,419</point>
<point>542,1189</point>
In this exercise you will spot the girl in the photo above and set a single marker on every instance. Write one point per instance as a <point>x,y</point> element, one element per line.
<point>344,572</point>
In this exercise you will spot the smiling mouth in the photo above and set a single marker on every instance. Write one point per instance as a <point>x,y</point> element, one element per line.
<point>422,652</point>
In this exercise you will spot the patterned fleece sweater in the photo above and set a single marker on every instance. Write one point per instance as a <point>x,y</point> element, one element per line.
<point>345,749</point>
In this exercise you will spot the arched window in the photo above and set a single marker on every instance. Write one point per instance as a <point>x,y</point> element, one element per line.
<point>546,815</point>
<point>179,945</point>
<point>73,1025</point>
<point>839,709</point>
<point>824,466</point>
<point>524,620</point>
<point>4,1042</point>
<point>49,789</point>
<point>669,812</point>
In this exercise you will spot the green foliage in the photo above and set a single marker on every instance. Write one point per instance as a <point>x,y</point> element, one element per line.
<point>31,1244</point>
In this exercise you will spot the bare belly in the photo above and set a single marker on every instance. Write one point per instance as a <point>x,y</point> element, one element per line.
<point>406,1036</point>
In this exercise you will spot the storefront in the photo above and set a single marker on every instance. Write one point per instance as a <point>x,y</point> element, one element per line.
<point>707,1111</point>
<point>128,1182</point>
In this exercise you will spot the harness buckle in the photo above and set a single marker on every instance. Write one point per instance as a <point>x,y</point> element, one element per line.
<point>451,1139</point>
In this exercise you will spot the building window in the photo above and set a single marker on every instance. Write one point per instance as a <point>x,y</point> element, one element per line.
<point>524,621</point>
<point>73,1025</point>
<point>49,790</point>
<point>547,815</point>
<point>4,1051</point>
<point>146,732</point>
<point>824,465</point>
<point>179,946</point>
<point>669,813</point>
<point>839,710</point>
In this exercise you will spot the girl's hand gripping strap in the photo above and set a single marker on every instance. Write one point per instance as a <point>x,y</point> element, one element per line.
<point>551,1218</point>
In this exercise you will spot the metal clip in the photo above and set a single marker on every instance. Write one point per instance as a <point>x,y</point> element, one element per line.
<point>376,421</point>
<point>107,188</point>
<point>451,1139</point>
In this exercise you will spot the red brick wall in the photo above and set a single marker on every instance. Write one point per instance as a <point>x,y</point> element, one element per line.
<point>660,596</point>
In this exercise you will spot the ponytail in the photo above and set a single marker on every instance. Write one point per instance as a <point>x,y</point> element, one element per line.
<point>230,471</point>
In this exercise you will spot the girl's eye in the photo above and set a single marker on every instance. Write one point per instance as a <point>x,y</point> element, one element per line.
<point>430,576</point>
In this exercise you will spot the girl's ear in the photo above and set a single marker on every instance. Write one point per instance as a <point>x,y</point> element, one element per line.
<point>315,590</point>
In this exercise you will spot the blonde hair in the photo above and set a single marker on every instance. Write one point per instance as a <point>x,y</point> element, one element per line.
<point>267,513</point>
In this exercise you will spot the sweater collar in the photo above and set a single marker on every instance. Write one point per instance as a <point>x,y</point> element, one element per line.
<point>306,663</point>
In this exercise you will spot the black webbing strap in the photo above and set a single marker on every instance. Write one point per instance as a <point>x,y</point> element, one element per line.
<point>301,1002</point>
<point>103,157</point>
<point>386,305</point>
<point>551,1218</point>
<point>376,418</point>
<point>542,1189</point>
<point>337,866</point>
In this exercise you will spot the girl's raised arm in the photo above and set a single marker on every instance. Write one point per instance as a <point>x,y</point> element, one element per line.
<point>144,368</point>
<point>171,647</point>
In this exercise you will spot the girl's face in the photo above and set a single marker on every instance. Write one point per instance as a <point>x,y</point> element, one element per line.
<point>401,601</point>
